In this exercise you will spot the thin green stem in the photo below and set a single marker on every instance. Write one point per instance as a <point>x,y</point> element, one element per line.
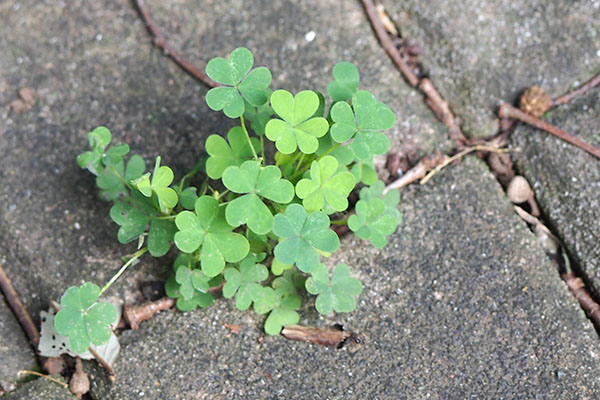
<point>332,148</point>
<point>134,257</point>
<point>248,137</point>
<point>339,222</point>
<point>307,166</point>
<point>193,172</point>
<point>166,217</point>
<point>219,195</point>
<point>262,147</point>
<point>123,181</point>
<point>299,164</point>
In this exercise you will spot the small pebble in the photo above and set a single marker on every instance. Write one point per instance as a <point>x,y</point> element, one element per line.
<point>310,36</point>
<point>77,226</point>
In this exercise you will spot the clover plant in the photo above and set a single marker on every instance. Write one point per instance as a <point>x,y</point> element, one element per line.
<point>257,225</point>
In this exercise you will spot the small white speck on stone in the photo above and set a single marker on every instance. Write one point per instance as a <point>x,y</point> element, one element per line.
<point>598,53</point>
<point>77,226</point>
<point>310,36</point>
<point>98,37</point>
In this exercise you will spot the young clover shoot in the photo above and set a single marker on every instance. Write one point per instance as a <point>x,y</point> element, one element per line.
<point>256,221</point>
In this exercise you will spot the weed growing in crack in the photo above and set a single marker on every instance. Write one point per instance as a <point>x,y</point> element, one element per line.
<point>257,226</point>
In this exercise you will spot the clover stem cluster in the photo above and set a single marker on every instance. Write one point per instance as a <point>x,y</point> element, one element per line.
<point>257,227</point>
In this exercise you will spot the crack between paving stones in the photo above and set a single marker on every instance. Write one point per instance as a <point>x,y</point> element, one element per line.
<point>441,110</point>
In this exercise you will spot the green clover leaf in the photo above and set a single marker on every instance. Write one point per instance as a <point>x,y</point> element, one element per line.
<point>160,236</point>
<point>345,83</point>
<point>337,294</point>
<point>244,281</point>
<point>242,84</point>
<point>188,197</point>
<point>132,221</point>
<point>99,139</point>
<point>82,319</point>
<point>256,181</point>
<point>365,118</point>
<point>190,281</point>
<point>364,172</point>
<point>161,179</point>
<point>258,116</point>
<point>278,268</point>
<point>287,301</point>
<point>115,154</point>
<point>327,187</point>
<point>223,156</point>
<point>198,299</point>
<point>296,129</point>
<point>376,214</point>
<point>207,228</point>
<point>111,179</point>
<point>303,235</point>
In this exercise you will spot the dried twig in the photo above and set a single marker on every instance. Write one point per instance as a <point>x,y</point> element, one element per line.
<point>134,315</point>
<point>418,171</point>
<point>577,287</point>
<point>508,111</point>
<point>233,328</point>
<point>387,43</point>
<point>442,111</point>
<point>325,337</point>
<point>12,298</point>
<point>455,157</point>
<point>577,92</point>
<point>63,384</point>
<point>162,44</point>
<point>104,364</point>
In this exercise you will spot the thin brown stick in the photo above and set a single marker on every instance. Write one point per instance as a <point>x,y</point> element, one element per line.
<point>455,157</point>
<point>12,298</point>
<point>577,287</point>
<point>137,314</point>
<point>442,111</point>
<point>418,171</point>
<point>577,92</point>
<point>325,337</point>
<point>508,111</point>
<point>387,43</point>
<point>162,44</point>
<point>26,371</point>
<point>103,363</point>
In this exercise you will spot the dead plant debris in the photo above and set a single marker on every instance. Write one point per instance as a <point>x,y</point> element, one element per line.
<point>334,337</point>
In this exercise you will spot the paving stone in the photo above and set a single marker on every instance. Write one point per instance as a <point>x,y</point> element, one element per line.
<point>479,54</point>
<point>566,180</point>
<point>41,389</point>
<point>462,304</point>
<point>15,352</point>
<point>462,301</point>
<point>93,64</point>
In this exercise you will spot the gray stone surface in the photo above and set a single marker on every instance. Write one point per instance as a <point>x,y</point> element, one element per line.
<point>92,64</point>
<point>41,389</point>
<point>481,315</point>
<point>566,179</point>
<point>461,303</point>
<point>15,352</point>
<point>480,53</point>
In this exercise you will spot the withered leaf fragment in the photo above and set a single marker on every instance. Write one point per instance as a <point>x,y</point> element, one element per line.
<point>326,337</point>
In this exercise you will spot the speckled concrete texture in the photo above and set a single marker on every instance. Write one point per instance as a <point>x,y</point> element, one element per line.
<point>15,352</point>
<point>566,179</point>
<point>479,54</point>
<point>41,389</point>
<point>462,304</point>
